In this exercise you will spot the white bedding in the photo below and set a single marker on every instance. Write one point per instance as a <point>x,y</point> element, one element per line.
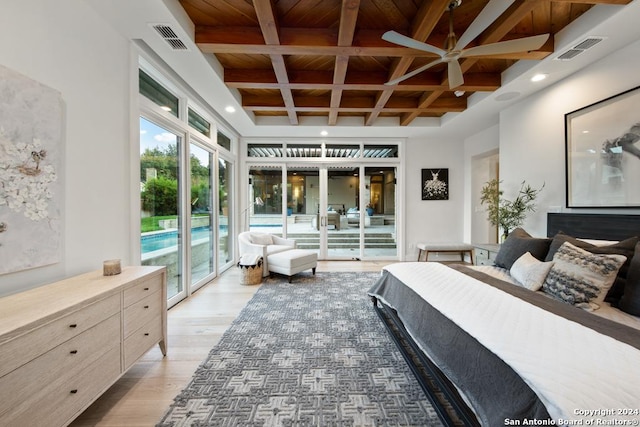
<point>605,309</point>
<point>572,369</point>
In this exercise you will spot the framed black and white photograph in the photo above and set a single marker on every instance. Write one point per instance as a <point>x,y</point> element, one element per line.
<point>603,153</point>
<point>435,184</point>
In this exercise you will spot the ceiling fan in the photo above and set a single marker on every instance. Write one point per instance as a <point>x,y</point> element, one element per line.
<point>454,48</point>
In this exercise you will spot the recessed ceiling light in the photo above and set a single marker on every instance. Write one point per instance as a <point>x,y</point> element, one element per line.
<point>585,131</point>
<point>324,133</point>
<point>538,77</point>
<point>230,109</point>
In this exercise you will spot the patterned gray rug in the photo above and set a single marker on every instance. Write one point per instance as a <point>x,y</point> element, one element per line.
<point>308,353</point>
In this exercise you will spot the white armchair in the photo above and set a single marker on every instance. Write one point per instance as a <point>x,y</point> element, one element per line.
<point>263,244</point>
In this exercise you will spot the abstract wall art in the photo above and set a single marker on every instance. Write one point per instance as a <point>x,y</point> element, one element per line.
<point>31,188</point>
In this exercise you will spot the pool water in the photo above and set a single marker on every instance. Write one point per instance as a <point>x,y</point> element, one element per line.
<point>168,239</point>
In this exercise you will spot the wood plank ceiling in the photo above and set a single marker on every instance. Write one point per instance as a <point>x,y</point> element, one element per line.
<point>298,58</point>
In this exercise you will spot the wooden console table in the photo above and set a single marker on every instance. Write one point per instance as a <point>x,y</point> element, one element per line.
<point>62,345</point>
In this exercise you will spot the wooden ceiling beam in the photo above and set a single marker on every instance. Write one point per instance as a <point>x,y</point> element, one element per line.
<point>426,19</point>
<point>348,19</point>
<point>269,27</point>
<point>616,2</point>
<point>354,81</point>
<point>249,41</point>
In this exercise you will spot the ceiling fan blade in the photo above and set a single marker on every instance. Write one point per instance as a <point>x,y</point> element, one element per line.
<point>399,39</point>
<point>455,74</point>
<point>490,13</point>
<point>510,46</point>
<point>413,73</point>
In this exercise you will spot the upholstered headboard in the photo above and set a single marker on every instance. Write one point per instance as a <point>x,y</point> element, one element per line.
<point>594,226</point>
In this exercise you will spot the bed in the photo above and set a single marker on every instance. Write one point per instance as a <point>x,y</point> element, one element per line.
<point>549,336</point>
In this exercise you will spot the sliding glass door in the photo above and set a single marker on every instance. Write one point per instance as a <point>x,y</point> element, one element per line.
<point>161,239</point>
<point>337,198</point>
<point>381,210</point>
<point>185,195</point>
<point>201,251</point>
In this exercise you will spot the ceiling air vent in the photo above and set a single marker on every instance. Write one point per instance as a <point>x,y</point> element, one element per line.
<point>168,35</point>
<point>576,50</point>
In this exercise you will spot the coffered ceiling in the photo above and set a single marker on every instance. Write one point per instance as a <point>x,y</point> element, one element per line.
<point>301,58</point>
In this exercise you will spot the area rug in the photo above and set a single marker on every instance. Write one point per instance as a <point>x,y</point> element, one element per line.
<point>308,353</point>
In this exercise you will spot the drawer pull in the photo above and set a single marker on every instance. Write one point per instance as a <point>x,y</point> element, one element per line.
<point>73,325</point>
<point>146,306</point>
<point>73,352</point>
<point>146,334</point>
<point>74,391</point>
<point>146,289</point>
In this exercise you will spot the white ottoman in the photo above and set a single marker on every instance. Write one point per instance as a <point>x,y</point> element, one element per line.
<point>293,262</point>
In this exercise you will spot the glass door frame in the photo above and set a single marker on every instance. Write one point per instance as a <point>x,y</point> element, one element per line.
<point>248,162</point>
<point>213,180</point>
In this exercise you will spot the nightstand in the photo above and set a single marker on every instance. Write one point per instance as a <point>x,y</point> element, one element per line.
<point>486,253</point>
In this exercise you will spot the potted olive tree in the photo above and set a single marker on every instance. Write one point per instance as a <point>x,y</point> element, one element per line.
<point>508,214</point>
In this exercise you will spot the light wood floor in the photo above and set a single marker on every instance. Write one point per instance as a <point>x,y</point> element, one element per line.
<point>195,325</point>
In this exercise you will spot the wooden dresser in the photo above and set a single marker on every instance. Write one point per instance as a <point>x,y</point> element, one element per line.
<point>62,345</point>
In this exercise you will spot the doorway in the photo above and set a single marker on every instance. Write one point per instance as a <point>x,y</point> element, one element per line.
<point>328,208</point>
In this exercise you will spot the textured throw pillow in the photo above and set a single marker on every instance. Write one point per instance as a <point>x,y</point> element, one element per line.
<point>261,239</point>
<point>530,272</point>
<point>517,244</point>
<point>625,247</point>
<point>581,278</point>
<point>630,301</point>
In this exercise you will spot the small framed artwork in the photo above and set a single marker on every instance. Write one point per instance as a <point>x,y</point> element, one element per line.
<point>603,153</point>
<point>435,184</point>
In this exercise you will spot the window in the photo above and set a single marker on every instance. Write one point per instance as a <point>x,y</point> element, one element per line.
<point>199,123</point>
<point>224,141</point>
<point>157,93</point>
<point>184,220</point>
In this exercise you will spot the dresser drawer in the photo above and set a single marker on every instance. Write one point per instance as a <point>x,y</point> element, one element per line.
<point>481,253</point>
<point>24,348</point>
<point>65,360</point>
<point>142,312</point>
<point>484,261</point>
<point>142,290</point>
<point>141,340</point>
<point>58,402</point>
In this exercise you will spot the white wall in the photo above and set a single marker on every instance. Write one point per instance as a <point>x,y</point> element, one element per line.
<point>432,221</point>
<point>63,44</point>
<point>480,165</point>
<point>532,142</point>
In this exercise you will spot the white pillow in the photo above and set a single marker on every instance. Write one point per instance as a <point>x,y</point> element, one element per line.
<point>530,272</point>
<point>261,239</point>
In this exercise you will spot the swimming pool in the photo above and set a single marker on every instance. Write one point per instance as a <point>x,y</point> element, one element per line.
<point>167,239</point>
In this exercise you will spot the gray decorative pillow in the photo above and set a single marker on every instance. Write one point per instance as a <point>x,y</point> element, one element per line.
<point>625,247</point>
<point>518,243</point>
<point>630,301</point>
<point>581,278</point>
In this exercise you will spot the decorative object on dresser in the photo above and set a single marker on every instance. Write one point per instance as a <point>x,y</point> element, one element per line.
<point>602,153</point>
<point>64,344</point>
<point>504,213</point>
